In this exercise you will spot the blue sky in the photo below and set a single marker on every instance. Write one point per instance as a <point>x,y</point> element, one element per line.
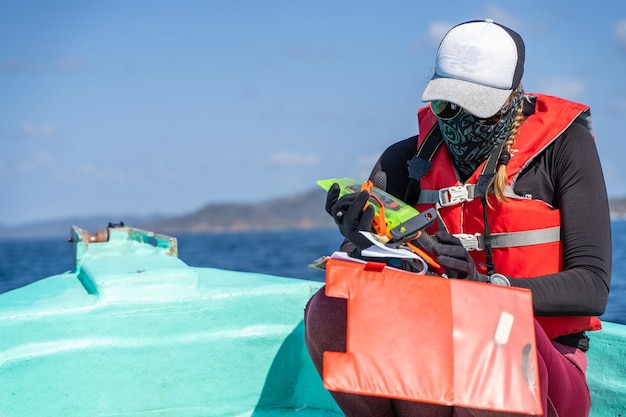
<point>141,107</point>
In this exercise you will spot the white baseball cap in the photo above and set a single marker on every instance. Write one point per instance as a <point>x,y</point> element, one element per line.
<point>479,63</point>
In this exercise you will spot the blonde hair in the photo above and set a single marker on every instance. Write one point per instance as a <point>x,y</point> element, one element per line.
<point>499,181</point>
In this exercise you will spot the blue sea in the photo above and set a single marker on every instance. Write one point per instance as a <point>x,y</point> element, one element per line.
<point>276,253</point>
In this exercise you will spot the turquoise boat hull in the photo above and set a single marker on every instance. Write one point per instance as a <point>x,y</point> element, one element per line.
<point>133,331</point>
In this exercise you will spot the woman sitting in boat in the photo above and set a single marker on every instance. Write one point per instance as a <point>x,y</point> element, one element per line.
<point>521,200</point>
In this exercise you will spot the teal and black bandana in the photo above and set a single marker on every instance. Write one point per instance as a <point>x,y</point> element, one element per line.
<point>471,143</point>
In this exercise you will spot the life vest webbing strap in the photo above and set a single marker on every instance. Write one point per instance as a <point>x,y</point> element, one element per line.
<point>428,197</point>
<point>448,196</point>
<point>511,239</point>
<point>420,164</point>
<point>431,144</point>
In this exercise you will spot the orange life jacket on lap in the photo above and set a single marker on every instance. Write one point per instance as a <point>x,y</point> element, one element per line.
<point>524,232</point>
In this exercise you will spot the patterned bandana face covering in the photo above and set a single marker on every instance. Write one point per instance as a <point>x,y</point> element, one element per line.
<point>470,143</point>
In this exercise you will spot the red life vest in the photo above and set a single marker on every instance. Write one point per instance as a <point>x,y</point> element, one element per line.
<point>525,232</point>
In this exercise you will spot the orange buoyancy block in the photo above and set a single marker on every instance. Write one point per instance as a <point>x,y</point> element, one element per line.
<point>428,339</point>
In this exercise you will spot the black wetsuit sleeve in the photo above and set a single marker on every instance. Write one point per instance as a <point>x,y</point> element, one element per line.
<point>569,175</point>
<point>394,163</point>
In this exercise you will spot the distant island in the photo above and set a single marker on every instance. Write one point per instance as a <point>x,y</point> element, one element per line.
<point>618,208</point>
<point>297,212</point>
<point>301,211</point>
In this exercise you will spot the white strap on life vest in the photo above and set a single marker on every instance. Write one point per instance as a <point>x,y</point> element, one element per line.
<point>461,193</point>
<point>511,239</point>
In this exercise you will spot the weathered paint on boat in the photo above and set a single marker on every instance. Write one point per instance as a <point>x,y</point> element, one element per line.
<point>133,331</point>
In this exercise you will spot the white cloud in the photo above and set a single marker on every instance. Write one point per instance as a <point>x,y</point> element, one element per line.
<point>501,16</point>
<point>368,160</point>
<point>39,161</point>
<point>62,64</point>
<point>16,66</point>
<point>620,33</point>
<point>70,64</point>
<point>45,164</point>
<point>299,53</point>
<point>437,30</point>
<point>619,106</point>
<point>365,163</point>
<point>290,158</point>
<point>45,130</point>
<point>568,88</point>
<point>91,171</point>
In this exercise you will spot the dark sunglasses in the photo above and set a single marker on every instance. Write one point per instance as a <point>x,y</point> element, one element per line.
<point>446,110</point>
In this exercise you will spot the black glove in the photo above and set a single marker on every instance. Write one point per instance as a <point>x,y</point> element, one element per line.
<point>349,215</point>
<point>455,259</point>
